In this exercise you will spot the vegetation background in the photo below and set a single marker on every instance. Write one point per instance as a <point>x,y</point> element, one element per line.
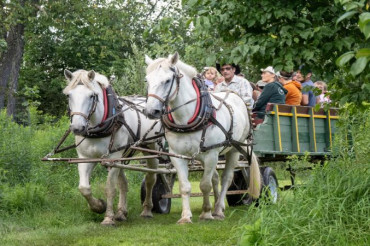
<point>40,203</point>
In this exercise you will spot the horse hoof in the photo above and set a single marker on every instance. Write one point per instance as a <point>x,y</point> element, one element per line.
<point>108,222</point>
<point>120,218</point>
<point>219,216</point>
<point>184,221</point>
<point>206,216</point>
<point>100,207</point>
<point>146,215</point>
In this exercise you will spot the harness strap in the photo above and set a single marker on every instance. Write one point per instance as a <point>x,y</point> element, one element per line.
<point>79,113</point>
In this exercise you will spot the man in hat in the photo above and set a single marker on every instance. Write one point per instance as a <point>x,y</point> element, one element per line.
<point>303,75</point>
<point>238,84</point>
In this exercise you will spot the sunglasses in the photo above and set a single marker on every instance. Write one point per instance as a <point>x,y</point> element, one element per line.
<point>226,68</point>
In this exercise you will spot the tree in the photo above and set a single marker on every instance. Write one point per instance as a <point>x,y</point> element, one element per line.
<point>85,34</point>
<point>284,34</point>
<point>13,17</point>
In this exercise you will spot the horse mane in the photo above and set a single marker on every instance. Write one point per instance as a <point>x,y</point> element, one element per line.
<point>185,68</point>
<point>81,76</point>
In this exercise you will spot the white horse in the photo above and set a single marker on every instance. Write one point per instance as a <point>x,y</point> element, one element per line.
<point>94,138</point>
<point>170,86</point>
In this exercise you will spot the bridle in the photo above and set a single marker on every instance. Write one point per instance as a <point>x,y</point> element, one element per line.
<point>92,109</point>
<point>176,77</point>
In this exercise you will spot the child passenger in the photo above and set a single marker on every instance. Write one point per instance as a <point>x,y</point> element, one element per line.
<point>322,98</point>
<point>210,77</point>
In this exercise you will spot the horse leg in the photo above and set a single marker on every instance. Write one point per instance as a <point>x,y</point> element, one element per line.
<point>232,158</point>
<point>150,179</point>
<point>210,162</point>
<point>84,171</point>
<point>215,182</point>
<point>121,214</point>
<point>181,166</point>
<point>110,192</point>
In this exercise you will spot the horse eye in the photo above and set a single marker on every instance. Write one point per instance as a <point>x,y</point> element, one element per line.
<point>168,81</point>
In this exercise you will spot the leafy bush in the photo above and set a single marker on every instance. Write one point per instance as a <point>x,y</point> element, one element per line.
<point>20,198</point>
<point>334,205</point>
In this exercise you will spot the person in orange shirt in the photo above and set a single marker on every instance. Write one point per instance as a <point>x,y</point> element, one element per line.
<point>294,95</point>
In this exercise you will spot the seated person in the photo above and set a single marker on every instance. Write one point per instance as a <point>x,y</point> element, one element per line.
<point>322,98</point>
<point>273,92</point>
<point>304,75</point>
<point>210,75</point>
<point>235,83</point>
<point>294,95</point>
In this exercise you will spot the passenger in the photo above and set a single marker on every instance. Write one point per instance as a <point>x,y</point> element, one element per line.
<point>304,76</point>
<point>238,84</point>
<point>273,92</point>
<point>322,98</point>
<point>256,91</point>
<point>294,95</point>
<point>210,77</point>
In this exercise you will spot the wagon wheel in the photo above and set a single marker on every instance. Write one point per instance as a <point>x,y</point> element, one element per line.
<point>270,185</point>
<point>238,183</point>
<point>161,206</point>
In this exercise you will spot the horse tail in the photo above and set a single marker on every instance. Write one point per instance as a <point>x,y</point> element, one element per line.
<point>254,188</point>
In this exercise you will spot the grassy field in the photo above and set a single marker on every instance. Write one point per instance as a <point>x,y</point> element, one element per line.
<point>60,225</point>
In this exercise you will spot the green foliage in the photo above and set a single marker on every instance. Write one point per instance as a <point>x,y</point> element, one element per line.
<point>90,35</point>
<point>332,208</point>
<point>132,81</point>
<point>15,150</point>
<point>284,34</point>
<point>23,198</point>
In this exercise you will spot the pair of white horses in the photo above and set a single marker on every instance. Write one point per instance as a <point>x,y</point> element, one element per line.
<point>170,84</point>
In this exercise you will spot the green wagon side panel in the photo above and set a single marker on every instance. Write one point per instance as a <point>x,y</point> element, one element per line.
<point>277,135</point>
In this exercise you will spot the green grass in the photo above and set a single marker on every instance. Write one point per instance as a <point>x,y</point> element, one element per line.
<point>69,222</point>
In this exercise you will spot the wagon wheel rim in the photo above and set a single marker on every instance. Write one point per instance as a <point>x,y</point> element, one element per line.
<point>163,203</point>
<point>273,189</point>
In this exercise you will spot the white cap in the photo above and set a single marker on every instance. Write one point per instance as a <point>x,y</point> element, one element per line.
<point>269,69</point>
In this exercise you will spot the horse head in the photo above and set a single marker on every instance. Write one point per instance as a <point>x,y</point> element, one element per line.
<point>83,92</point>
<point>163,76</point>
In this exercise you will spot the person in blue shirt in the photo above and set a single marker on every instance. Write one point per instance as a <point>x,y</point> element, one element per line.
<point>304,75</point>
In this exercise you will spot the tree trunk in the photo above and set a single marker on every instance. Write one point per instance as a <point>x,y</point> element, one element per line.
<point>9,67</point>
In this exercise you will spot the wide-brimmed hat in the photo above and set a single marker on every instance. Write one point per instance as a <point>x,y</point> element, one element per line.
<point>237,68</point>
<point>269,69</point>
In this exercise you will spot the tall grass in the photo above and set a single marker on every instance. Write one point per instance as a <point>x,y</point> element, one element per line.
<point>332,208</point>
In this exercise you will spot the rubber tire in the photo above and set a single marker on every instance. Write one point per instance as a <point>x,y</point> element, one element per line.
<point>160,206</point>
<point>270,185</point>
<point>238,183</point>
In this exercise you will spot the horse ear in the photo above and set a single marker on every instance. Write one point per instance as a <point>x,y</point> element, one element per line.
<point>68,74</point>
<point>148,60</point>
<point>175,58</point>
<point>91,75</point>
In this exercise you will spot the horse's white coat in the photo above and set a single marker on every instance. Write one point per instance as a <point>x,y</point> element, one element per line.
<point>159,77</point>
<point>80,89</point>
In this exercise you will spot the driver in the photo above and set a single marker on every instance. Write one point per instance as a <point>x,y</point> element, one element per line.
<point>238,84</point>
